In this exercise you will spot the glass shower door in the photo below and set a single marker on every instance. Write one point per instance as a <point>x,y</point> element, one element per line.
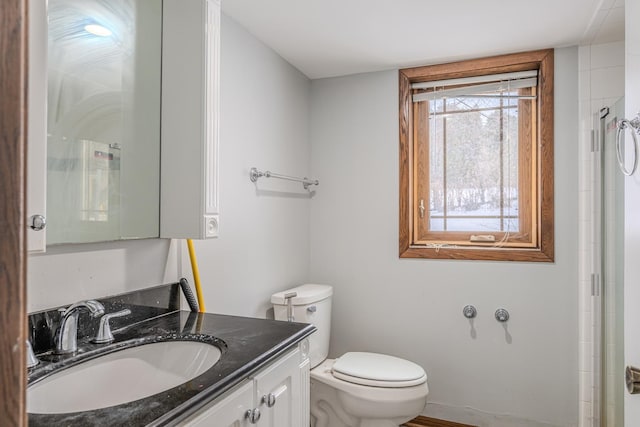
<point>609,255</point>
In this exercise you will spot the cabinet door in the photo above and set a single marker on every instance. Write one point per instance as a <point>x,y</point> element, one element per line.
<point>37,127</point>
<point>228,412</point>
<point>190,116</point>
<point>278,393</point>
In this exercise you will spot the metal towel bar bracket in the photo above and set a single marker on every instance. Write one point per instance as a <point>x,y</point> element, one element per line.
<point>623,124</point>
<point>254,174</point>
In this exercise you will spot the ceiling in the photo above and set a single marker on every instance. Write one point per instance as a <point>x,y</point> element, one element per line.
<point>339,37</point>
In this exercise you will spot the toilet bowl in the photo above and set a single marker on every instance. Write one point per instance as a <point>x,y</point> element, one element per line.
<point>357,389</point>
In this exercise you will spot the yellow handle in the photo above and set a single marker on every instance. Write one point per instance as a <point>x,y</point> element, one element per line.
<point>196,274</point>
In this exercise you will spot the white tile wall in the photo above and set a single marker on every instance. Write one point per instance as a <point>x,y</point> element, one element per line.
<point>632,207</point>
<point>601,84</point>
<point>606,55</point>
<point>607,83</point>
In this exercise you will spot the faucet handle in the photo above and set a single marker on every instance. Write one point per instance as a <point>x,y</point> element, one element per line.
<point>104,334</point>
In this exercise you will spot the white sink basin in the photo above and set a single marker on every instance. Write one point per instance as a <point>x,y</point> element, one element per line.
<point>122,376</point>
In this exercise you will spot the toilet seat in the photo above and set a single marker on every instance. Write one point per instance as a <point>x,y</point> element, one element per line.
<point>378,370</point>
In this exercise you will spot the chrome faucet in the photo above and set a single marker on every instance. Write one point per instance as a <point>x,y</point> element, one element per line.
<point>66,339</point>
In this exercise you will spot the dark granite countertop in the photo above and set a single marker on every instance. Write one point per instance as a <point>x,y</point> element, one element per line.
<point>247,344</point>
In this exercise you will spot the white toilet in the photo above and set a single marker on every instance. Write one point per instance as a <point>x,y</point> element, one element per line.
<point>357,389</point>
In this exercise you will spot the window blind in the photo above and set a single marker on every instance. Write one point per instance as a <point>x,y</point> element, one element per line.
<point>477,86</point>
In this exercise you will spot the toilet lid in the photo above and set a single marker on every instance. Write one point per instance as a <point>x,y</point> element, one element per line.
<point>378,370</point>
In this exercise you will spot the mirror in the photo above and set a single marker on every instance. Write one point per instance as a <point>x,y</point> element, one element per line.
<point>103,120</point>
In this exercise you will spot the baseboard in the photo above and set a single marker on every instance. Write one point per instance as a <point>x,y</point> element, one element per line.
<point>475,417</point>
<point>433,422</point>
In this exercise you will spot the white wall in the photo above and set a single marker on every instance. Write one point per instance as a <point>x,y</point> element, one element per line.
<point>70,273</point>
<point>264,227</point>
<point>264,233</point>
<point>480,373</point>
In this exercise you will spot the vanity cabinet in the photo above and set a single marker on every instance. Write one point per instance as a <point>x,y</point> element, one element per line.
<point>190,118</point>
<point>279,393</point>
<point>228,412</point>
<point>282,392</point>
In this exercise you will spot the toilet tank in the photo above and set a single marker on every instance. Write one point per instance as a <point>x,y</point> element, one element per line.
<point>312,304</point>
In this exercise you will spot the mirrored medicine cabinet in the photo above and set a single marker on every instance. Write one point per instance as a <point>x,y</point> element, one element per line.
<point>103,120</point>
<point>104,69</point>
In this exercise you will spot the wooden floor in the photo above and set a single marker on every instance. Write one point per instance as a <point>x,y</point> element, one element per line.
<point>432,422</point>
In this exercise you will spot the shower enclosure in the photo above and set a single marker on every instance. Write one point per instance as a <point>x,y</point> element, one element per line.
<point>607,274</point>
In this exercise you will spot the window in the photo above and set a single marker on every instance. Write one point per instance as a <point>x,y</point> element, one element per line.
<point>476,159</point>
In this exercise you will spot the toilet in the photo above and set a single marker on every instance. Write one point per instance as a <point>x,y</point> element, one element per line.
<point>357,389</point>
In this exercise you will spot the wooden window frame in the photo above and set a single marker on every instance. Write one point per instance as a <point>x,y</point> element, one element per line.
<point>541,249</point>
